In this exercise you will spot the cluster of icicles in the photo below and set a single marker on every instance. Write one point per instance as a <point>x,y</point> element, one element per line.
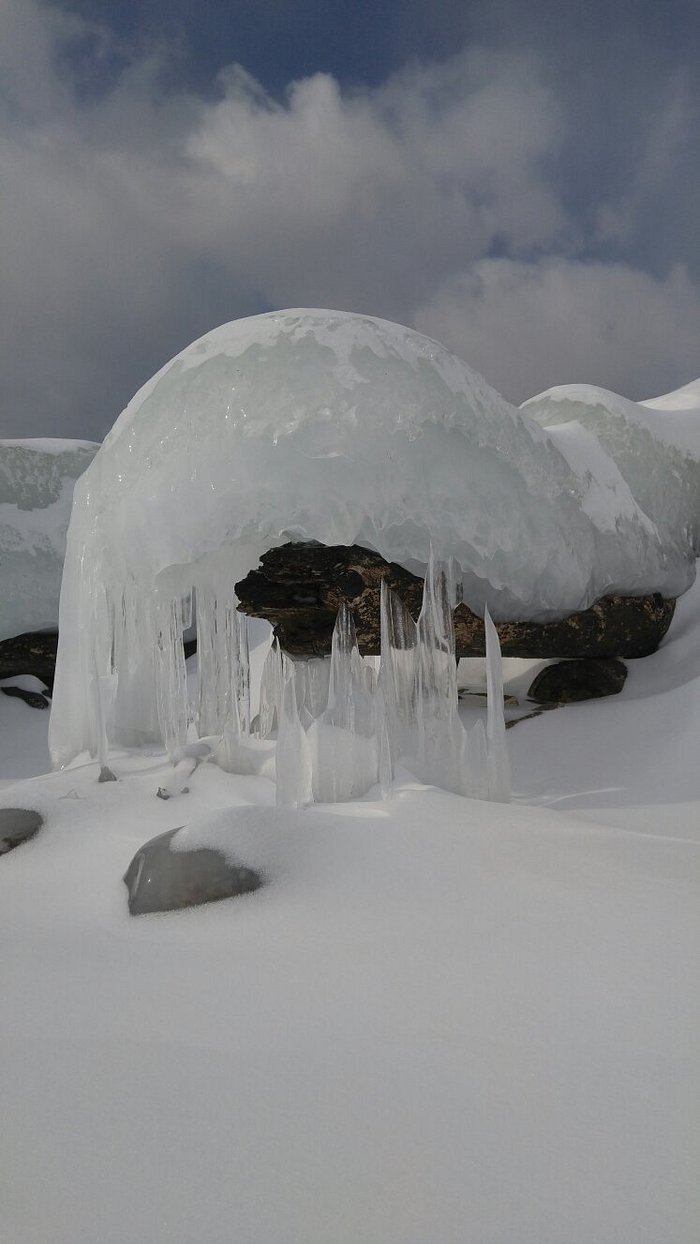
<point>343,724</point>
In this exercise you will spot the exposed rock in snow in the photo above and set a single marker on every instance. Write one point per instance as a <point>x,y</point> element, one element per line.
<point>299,587</point>
<point>32,654</point>
<point>17,825</point>
<point>166,876</point>
<point>569,682</point>
<point>34,699</point>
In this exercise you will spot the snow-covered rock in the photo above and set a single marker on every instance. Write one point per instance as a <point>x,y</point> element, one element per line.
<point>167,874</point>
<point>36,490</point>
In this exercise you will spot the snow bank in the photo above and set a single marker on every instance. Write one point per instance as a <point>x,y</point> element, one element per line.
<point>36,489</point>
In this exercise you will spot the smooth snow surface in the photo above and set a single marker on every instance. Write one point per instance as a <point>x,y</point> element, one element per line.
<point>440,1020</point>
<point>323,425</point>
<point>36,489</point>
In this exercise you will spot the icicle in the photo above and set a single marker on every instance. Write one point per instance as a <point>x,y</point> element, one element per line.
<point>316,674</point>
<point>437,665</point>
<point>397,673</point>
<point>342,740</point>
<point>341,706</point>
<point>293,755</point>
<point>239,666</point>
<point>342,726</point>
<point>224,666</point>
<point>214,665</point>
<point>477,755</point>
<point>105,686</point>
<point>186,611</point>
<point>136,709</point>
<point>385,764</point>
<point>171,676</point>
<point>102,679</point>
<point>498,765</point>
<point>350,701</point>
<point>343,763</point>
<point>440,749</point>
<point>270,691</point>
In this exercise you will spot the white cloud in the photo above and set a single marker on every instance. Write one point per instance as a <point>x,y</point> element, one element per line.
<point>136,218</point>
<point>528,326</point>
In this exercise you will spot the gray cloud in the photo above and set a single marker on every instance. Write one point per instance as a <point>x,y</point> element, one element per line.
<point>137,217</point>
<point>528,326</point>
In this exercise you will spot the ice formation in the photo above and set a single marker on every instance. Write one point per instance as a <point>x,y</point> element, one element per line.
<point>36,489</point>
<point>319,425</point>
<point>657,457</point>
<point>344,725</point>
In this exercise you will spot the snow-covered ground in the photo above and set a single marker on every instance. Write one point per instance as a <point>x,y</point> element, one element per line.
<point>440,1022</point>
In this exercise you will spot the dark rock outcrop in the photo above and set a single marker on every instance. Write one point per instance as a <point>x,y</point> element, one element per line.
<point>33,698</point>
<point>17,825</point>
<point>31,653</point>
<point>569,682</point>
<point>300,587</point>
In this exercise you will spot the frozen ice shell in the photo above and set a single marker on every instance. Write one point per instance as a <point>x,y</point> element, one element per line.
<point>323,425</point>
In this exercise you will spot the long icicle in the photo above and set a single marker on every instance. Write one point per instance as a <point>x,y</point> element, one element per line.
<point>498,764</point>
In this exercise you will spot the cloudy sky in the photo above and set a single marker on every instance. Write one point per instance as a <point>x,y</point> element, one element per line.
<point>518,178</point>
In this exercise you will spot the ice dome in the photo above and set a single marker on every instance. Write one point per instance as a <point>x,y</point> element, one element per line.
<point>340,428</point>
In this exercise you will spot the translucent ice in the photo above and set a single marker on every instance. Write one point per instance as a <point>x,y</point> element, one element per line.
<point>171,677</point>
<point>270,691</point>
<point>344,429</point>
<point>293,757</point>
<point>497,762</point>
<point>397,679</point>
<point>409,715</point>
<point>344,738</point>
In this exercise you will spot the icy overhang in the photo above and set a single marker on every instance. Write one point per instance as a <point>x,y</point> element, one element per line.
<point>340,428</point>
<point>346,429</point>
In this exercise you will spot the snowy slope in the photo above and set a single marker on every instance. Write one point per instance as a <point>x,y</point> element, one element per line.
<point>440,1021</point>
<point>685,399</point>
